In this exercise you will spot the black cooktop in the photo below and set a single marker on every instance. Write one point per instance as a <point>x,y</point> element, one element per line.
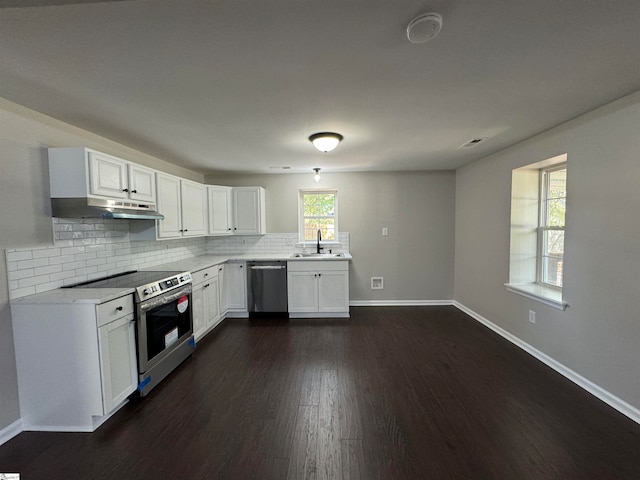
<point>131,279</point>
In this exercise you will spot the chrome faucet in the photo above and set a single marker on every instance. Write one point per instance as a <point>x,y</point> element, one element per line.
<point>319,236</point>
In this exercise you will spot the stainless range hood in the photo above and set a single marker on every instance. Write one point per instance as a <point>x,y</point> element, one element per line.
<point>103,208</point>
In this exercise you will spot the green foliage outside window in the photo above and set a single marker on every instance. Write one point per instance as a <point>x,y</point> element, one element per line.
<point>319,214</point>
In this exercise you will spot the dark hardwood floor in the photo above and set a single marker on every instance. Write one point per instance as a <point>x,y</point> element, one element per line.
<point>392,393</point>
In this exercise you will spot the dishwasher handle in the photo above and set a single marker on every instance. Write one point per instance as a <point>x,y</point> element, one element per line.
<point>268,267</point>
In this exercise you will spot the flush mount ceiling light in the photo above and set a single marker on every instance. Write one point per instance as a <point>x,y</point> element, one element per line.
<point>316,175</point>
<point>424,27</point>
<point>325,141</point>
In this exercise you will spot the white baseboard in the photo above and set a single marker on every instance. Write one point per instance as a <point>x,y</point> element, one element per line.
<point>10,431</point>
<point>398,303</point>
<point>607,397</point>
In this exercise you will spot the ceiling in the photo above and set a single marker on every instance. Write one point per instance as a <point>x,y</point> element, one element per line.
<point>238,86</point>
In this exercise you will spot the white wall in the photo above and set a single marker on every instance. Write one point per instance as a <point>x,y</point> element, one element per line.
<point>416,259</point>
<point>598,335</point>
<point>25,213</point>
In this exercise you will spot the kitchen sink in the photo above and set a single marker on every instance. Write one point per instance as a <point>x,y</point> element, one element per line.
<point>317,255</point>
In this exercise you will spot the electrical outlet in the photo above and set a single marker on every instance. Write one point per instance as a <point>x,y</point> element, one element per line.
<point>377,283</point>
<point>532,316</point>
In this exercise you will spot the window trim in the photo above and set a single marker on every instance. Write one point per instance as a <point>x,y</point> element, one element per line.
<point>301,193</point>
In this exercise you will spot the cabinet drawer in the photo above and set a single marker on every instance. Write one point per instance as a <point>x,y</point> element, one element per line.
<point>205,274</point>
<point>317,265</point>
<point>114,309</point>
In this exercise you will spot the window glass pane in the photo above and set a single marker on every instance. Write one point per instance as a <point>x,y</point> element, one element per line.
<point>319,204</point>
<point>553,257</point>
<point>556,211</point>
<point>555,195</point>
<point>325,225</point>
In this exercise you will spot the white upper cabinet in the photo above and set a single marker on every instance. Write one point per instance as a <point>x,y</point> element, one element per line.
<point>194,208</point>
<point>220,210</point>
<point>170,204</point>
<point>142,183</point>
<point>249,211</point>
<point>82,172</point>
<point>108,176</point>
<point>183,204</point>
<point>237,210</point>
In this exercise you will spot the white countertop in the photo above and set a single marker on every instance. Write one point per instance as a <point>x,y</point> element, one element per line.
<point>102,295</point>
<point>205,261</point>
<point>73,295</point>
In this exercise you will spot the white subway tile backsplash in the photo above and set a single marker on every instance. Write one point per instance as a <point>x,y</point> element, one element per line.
<point>85,249</point>
<point>39,262</point>
<point>47,270</point>
<point>62,275</point>
<point>46,253</point>
<point>28,282</point>
<point>20,274</point>
<point>15,256</point>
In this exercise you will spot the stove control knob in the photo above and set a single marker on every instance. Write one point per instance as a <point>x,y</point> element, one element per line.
<point>148,291</point>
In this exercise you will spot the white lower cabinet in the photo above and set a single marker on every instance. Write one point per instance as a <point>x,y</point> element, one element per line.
<point>206,303</point>
<point>76,362</point>
<point>318,289</point>
<point>234,290</point>
<point>116,341</point>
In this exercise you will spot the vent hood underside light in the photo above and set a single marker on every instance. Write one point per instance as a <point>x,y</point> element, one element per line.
<point>103,208</point>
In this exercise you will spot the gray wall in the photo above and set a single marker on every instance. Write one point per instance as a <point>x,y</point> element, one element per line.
<point>416,259</point>
<point>25,214</point>
<point>598,335</point>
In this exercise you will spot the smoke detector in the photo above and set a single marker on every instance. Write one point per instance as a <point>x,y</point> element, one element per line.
<point>424,27</point>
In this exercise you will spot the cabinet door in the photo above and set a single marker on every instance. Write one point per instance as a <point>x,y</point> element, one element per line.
<point>302,292</point>
<point>194,209</point>
<point>108,176</point>
<point>222,291</point>
<point>235,286</point>
<point>333,291</point>
<point>142,184</point>
<point>220,210</point>
<point>212,305</point>
<point>169,205</point>
<point>118,363</point>
<point>198,311</point>
<point>248,211</point>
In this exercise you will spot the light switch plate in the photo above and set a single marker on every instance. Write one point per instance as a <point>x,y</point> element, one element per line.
<point>385,231</point>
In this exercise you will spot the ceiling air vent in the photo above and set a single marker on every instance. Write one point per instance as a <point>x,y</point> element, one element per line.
<point>473,142</point>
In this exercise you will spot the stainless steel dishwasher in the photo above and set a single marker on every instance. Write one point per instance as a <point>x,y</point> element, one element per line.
<point>267,287</point>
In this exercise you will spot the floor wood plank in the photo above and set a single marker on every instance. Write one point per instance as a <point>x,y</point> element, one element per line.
<point>392,393</point>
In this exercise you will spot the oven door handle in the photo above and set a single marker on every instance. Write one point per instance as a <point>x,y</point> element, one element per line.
<point>164,299</point>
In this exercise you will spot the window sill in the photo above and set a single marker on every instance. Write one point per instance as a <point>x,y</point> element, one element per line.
<point>546,295</point>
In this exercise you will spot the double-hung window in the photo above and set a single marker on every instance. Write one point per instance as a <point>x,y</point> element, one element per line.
<point>318,212</point>
<point>553,196</point>
<point>538,211</point>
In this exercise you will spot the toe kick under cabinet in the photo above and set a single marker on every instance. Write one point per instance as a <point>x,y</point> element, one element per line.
<point>76,362</point>
<point>318,288</point>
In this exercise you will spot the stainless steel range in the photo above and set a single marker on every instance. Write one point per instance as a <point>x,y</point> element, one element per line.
<point>164,323</point>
